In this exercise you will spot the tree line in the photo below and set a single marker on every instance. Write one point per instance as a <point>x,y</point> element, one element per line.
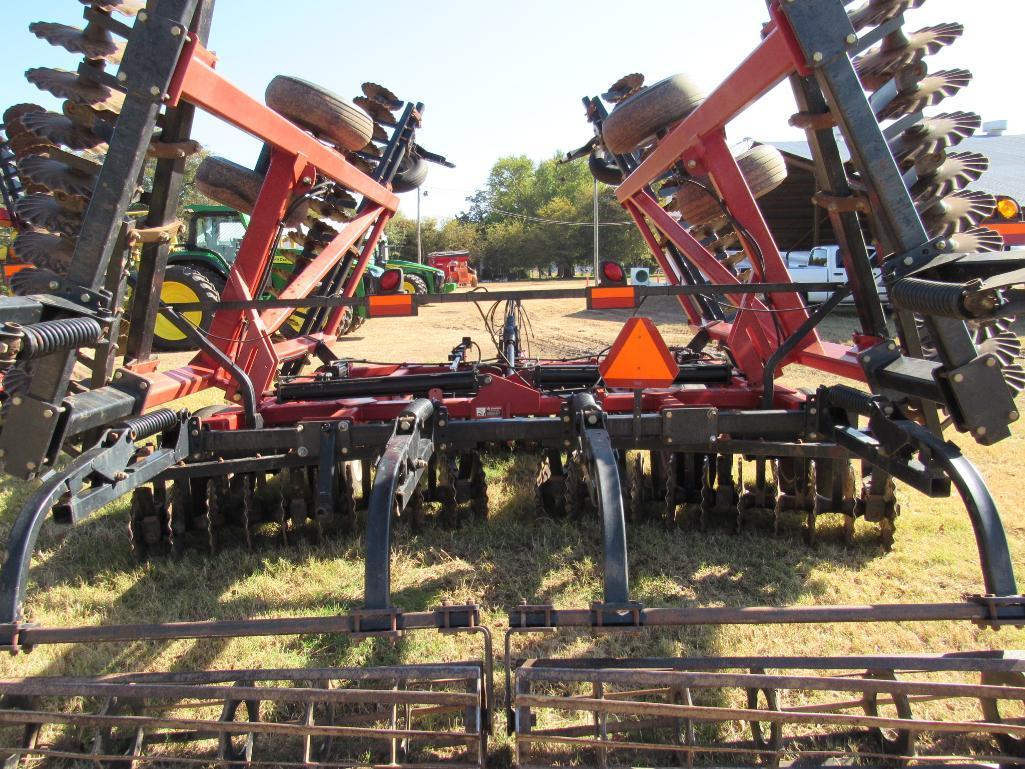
<point>528,219</point>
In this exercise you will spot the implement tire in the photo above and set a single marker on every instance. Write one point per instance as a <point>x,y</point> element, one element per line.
<point>329,116</point>
<point>637,119</point>
<point>764,170</point>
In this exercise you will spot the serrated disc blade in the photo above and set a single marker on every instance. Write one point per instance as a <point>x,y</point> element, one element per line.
<point>61,130</point>
<point>929,91</point>
<point>1003,343</point>
<point>372,150</point>
<point>48,252</point>
<point>935,134</point>
<point>340,198</point>
<point>382,96</point>
<point>958,211</point>
<point>46,213</point>
<point>623,88</point>
<point>32,280</point>
<point>16,380</point>
<point>363,165</point>
<point>875,12</point>
<point>899,50</point>
<point>956,172</point>
<point>124,7</point>
<point>68,85</point>
<point>977,240</point>
<point>57,176</point>
<point>25,143</point>
<point>380,135</point>
<point>93,42</point>
<point>378,112</point>
<point>13,115</point>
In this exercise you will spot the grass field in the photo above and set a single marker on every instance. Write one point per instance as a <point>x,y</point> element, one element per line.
<point>87,575</point>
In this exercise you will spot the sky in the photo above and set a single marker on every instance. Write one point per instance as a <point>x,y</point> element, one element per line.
<point>500,79</point>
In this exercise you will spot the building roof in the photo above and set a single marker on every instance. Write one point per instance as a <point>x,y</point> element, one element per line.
<point>1006,153</point>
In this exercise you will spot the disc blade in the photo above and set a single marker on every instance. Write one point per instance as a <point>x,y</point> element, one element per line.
<point>68,85</point>
<point>875,12</point>
<point>57,176</point>
<point>363,165</point>
<point>13,115</point>
<point>379,135</point>
<point>61,130</point>
<point>958,211</point>
<point>378,112</point>
<point>32,280</point>
<point>928,92</point>
<point>48,252</point>
<point>976,241</point>
<point>382,96</point>
<point>124,7</point>
<point>956,172</point>
<point>898,50</point>
<point>623,88</point>
<point>935,134</point>
<point>46,213</point>
<point>93,42</point>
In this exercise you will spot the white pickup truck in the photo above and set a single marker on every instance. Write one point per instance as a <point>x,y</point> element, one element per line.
<point>823,264</point>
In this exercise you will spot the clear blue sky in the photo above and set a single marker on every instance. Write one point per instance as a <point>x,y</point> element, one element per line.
<point>507,78</point>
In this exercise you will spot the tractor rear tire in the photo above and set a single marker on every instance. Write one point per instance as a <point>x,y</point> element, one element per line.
<point>186,283</point>
<point>238,187</point>
<point>763,168</point>
<point>604,170</point>
<point>414,284</point>
<point>636,119</point>
<point>329,116</point>
<point>411,174</point>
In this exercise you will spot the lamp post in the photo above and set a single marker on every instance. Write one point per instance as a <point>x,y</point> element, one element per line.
<point>419,243</point>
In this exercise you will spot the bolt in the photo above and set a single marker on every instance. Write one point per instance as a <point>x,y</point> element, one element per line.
<point>958,378</point>
<point>176,31</point>
<point>122,77</point>
<point>307,180</point>
<point>669,439</point>
<point>194,433</point>
<point>119,374</point>
<point>1012,416</point>
<point>991,361</point>
<point>343,427</point>
<point>143,385</point>
<point>813,436</point>
<point>866,359</point>
<point>16,400</point>
<point>567,442</point>
<point>442,446</point>
<point>142,16</point>
<point>592,419</point>
<point>813,410</point>
<point>908,261</point>
<point>669,415</point>
<point>692,164</point>
<point>817,56</point>
<point>566,419</point>
<point>941,244</point>
<point>31,465</point>
<point>48,414</point>
<point>54,285</point>
<point>345,450</point>
<point>154,90</point>
<point>299,428</point>
<point>980,430</point>
<point>84,297</point>
<point>851,39</point>
<point>891,347</point>
<point>442,423</point>
<point>237,397</point>
<point>302,451</point>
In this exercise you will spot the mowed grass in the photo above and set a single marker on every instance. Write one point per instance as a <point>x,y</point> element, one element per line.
<point>88,576</point>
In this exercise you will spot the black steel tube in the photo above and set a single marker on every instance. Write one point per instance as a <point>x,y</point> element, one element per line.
<point>415,384</point>
<point>586,375</point>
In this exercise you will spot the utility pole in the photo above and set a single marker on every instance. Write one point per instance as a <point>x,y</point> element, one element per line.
<point>596,229</point>
<point>419,245</point>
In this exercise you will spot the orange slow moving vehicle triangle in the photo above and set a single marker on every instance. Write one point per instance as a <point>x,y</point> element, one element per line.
<point>639,358</point>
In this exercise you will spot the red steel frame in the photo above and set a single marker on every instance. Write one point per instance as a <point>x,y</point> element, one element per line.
<point>698,141</point>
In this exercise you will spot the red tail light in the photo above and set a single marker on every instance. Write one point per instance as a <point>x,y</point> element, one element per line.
<point>390,280</point>
<point>611,272</point>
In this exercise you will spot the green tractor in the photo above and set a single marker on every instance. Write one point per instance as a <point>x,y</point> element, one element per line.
<point>416,278</point>
<point>198,268</point>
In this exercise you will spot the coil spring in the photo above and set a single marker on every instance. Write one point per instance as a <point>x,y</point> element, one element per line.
<point>150,424</point>
<point>929,297</point>
<point>52,336</point>
<point>849,399</point>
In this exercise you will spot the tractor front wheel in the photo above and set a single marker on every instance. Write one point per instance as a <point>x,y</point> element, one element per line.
<point>186,283</point>
<point>414,284</point>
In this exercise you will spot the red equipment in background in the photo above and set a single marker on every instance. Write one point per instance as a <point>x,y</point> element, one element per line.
<point>456,265</point>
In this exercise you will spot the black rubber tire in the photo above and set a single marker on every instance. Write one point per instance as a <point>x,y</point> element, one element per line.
<point>238,187</point>
<point>637,119</point>
<point>763,168</point>
<point>419,284</point>
<point>317,109</point>
<point>207,285</point>
<point>411,174</point>
<point>604,170</point>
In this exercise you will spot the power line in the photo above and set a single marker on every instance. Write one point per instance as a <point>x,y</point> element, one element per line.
<point>559,221</point>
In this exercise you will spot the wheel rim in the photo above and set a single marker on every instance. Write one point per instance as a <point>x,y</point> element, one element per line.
<point>408,287</point>
<point>174,292</point>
